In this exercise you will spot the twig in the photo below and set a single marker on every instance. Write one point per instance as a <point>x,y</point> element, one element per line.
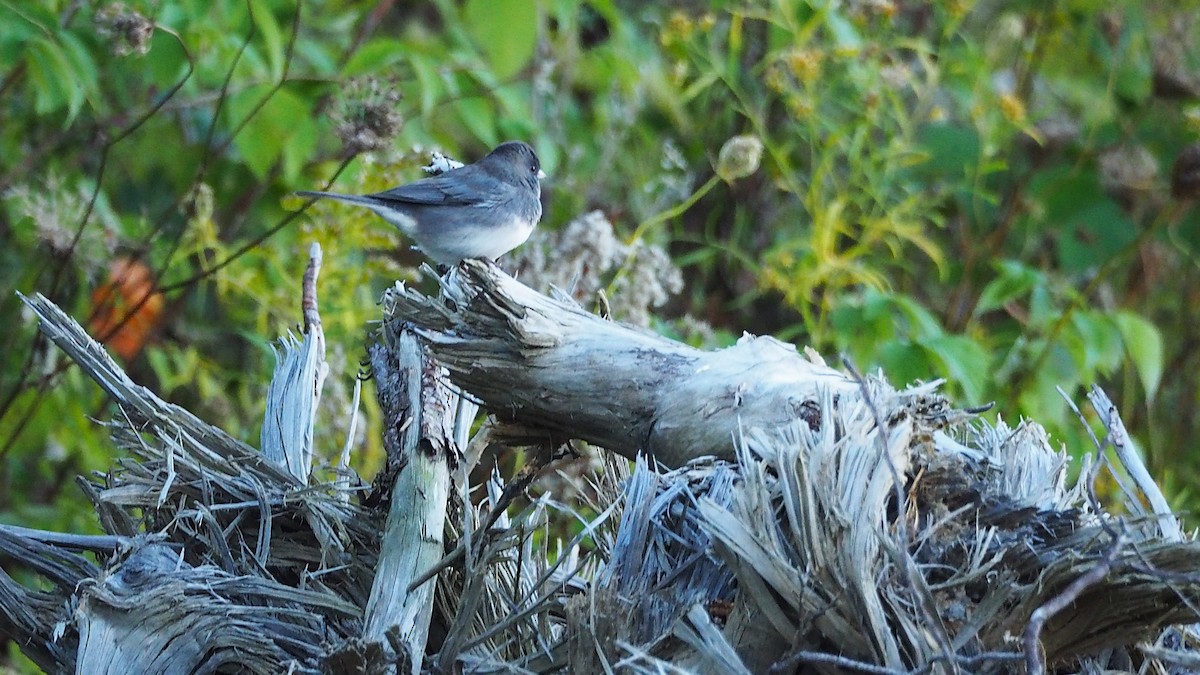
<point>344,472</point>
<point>788,664</point>
<point>232,134</point>
<point>511,491</point>
<point>1094,469</point>
<point>72,542</point>
<point>970,661</point>
<point>864,667</point>
<point>1035,662</point>
<point>1119,438</point>
<point>56,279</point>
<point>308,301</point>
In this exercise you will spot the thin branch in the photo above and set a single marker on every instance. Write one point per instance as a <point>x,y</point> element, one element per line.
<point>796,658</point>
<point>26,369</point>
<point>1035,661</point>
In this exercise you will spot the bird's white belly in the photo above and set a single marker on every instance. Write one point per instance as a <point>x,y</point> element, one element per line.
<point>478,242</point>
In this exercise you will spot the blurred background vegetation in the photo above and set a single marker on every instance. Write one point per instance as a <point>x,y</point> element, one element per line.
<point>998,193</point>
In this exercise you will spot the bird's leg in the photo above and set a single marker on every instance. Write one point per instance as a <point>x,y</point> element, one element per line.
<point>495,262</point>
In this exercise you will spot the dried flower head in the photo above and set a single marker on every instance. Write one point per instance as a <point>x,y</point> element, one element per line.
<point>651,281</point>
<point>679,29</point>
<point>579,259</point>
<point>574,259</point>
<point>127,31</point>
<point>739,157</point>
<point>367,119</point>
<point>56,209</point>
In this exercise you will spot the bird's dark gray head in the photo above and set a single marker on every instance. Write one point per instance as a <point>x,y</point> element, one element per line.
<point>516,157</point>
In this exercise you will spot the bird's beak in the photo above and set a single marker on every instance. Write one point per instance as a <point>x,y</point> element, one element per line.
<point>541,175</point>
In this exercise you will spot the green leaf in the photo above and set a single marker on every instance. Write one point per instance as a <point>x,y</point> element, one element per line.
<point>272,129</point>
<point>904,362</point>
<point>376,55</point>
<point>1093,235</point>
<point>54,79</point>
<point>964,362</point>
<point>1133,62</point>
<point>166,62</point>
<point>1099,340</point>
<point>1069,205</point>
<point>859,328</point>
<point>1042,309</point>
<point>922,322</point>
<point>272,38</point>
<point>478,115</point>
<point>505,30</point>
<point>431,85</point>
<point>845,35</point>
<point>1144,344</point>
<point>950,148</point>
<point>86,78</point>
<point>1015,280</point>
<point>1040,400</point>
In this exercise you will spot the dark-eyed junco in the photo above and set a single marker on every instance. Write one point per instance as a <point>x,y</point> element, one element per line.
<point>482,210</point>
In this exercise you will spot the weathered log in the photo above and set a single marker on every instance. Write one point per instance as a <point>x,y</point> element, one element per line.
<point>549,364</point>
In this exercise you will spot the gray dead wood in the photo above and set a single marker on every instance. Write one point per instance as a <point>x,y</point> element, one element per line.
<point>235,524</point>
<point>295,391</point>
<point>840,513</point>
<point>411,388</point>
<point>234,519</point>
<point>991,530</point>
<point>153,613</point>
<point>552,366</point>
<point>292,399</point>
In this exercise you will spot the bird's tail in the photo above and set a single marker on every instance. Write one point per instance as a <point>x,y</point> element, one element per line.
<point>397,218</point>
<point>352,199</point>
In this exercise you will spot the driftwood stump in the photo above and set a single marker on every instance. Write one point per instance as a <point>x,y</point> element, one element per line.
<point>781,516</point>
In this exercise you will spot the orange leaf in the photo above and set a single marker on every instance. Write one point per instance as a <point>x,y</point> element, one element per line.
<point>126,309</point>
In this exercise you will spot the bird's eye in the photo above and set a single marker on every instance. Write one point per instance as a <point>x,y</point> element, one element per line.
<point>533,168</point>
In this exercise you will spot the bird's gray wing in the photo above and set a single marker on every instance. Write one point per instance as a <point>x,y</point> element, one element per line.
<point>460,187</point>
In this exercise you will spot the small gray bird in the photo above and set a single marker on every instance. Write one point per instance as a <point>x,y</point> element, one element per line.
<point>482,210</point>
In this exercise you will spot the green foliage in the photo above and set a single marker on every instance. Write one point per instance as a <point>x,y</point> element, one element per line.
<point>976,193</point>
<point>944,190</point>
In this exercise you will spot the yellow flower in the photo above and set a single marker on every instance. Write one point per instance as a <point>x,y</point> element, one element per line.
<point>1012,108</point>
<point>678,29</point>
<point>800,107</point>
<point>777,79</point>
<point>805,64</point>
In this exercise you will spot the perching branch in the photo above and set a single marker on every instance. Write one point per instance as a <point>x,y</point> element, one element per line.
<point>549,365</point>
